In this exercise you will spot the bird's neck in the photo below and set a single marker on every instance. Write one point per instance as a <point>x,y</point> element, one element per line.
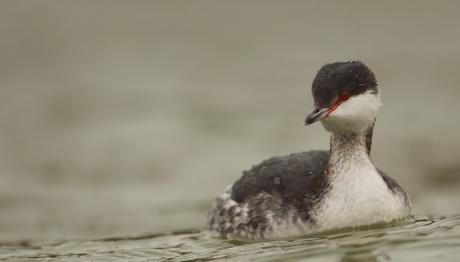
<point>350,150</point>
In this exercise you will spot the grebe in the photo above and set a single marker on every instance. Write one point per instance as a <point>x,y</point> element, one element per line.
<point>316,191</point>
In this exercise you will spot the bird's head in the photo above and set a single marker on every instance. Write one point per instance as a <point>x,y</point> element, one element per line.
<point>346,97</point>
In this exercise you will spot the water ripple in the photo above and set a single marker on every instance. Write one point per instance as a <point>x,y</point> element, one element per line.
<point>424,239</point>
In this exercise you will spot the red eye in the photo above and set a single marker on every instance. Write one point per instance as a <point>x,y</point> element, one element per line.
<point>344,97</point>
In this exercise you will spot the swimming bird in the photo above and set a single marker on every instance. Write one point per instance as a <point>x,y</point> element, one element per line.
<point>314,191</point>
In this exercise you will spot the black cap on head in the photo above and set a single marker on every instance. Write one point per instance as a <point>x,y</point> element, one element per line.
<point>342,78</point>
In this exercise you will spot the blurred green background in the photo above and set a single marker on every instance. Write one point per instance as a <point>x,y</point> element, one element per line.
<point>125,117</point>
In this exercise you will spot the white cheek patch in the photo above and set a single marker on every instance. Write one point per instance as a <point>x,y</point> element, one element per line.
<point>355,114</point>
<point>364,105</point>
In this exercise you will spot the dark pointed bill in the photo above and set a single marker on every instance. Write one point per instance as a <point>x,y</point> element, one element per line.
<point>316,115</point>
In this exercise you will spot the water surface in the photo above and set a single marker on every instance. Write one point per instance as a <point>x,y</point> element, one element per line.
<point>428,239</point>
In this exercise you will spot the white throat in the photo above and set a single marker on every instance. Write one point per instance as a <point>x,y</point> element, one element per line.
<point>358,195</point>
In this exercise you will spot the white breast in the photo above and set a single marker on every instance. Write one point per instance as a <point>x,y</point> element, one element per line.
<point>359,196</point>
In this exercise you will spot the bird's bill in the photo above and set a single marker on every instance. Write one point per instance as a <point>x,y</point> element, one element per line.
<point>316,115</point>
